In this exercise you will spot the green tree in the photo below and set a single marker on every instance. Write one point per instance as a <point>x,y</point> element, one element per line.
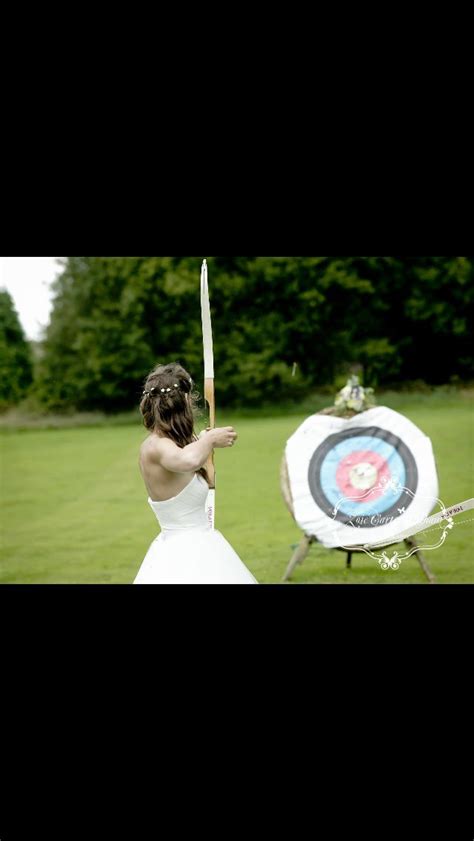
<point>16,364</point>
<point>116,317</point>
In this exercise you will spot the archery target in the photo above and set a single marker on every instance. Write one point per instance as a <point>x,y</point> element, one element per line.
<point>352,464</point>
<point>357,480</point>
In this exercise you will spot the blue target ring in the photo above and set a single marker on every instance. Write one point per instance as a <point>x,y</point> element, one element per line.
<point>382,448</point>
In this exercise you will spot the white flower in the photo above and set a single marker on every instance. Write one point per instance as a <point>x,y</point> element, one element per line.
<point>355,404</point>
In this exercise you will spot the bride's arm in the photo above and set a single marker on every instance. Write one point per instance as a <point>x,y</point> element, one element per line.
<point>193,456</point>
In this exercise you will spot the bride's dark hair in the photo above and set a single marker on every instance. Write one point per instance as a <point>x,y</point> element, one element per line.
<point>165,408</point>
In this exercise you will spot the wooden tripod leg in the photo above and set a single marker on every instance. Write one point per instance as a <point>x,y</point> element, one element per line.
<point>298,555</point>
<point>411,543</point>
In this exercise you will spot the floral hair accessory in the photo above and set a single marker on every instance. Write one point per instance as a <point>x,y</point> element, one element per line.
<point>162,390</point>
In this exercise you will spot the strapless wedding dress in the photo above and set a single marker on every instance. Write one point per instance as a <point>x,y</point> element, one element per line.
<point>188,550</point>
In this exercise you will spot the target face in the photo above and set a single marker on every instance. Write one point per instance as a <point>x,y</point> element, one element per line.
<point>349,472</point>
<point>360,479</point>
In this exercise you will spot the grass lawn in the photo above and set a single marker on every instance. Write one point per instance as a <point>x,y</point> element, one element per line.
<point>74,508</point>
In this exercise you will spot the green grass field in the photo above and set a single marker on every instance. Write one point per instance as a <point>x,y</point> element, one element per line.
<point>74,508</point>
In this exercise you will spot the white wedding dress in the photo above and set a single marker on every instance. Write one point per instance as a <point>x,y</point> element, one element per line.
<point>188,550</point>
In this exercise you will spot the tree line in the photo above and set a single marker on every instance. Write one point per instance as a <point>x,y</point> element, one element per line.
<point>114,318</point>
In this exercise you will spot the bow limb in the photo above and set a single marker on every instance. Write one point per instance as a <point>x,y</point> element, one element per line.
<point>208,383</point>
<point>209,397</point>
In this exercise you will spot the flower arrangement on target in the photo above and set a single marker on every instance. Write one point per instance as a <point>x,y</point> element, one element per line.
<point>354,397</point>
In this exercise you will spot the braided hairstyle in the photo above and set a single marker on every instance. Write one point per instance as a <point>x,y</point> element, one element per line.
<point>165,407</point>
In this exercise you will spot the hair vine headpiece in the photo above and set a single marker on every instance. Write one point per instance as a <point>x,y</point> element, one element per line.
<point>152,390</point>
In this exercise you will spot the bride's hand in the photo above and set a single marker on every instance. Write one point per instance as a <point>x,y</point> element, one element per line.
<point>224,436</point>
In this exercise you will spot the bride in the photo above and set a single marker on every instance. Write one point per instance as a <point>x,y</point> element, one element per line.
<point>187,550</point>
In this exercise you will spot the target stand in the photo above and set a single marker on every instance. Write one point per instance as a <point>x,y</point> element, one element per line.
<point>332,463</point>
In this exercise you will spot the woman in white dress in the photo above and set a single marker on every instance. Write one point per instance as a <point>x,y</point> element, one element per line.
<point>187,550</point>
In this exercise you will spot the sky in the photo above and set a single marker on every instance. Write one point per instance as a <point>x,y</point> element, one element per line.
<point>28,280</point>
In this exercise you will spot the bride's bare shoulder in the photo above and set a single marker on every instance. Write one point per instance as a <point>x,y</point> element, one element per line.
<point>149,445</point>
<point>152,446</point>
<point>149,456</point>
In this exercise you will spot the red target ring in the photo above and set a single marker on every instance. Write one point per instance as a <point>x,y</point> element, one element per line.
<point>360,474</point>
